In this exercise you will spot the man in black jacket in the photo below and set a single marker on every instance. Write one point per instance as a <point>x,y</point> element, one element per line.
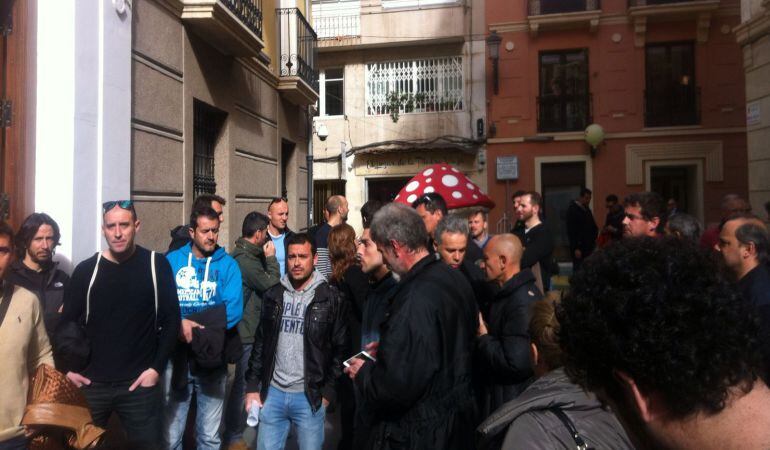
<point>535,237</point>
<point>503,344</point>
<point>298,352</point>
<point>581,228</point>
<point>419,389</point>
<point>35,269</point>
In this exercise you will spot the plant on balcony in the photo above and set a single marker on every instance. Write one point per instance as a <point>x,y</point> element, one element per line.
<point>402,100</point>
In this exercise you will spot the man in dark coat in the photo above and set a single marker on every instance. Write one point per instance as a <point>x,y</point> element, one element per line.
<point>535,237</point>
<point>581,229</point>
<point>419,389</point>
<point>503,343</point>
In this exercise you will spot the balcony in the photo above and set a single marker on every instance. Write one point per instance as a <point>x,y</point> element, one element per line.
<point>337,26</point>
<point>560,113</point>
<point>298,80</point>
<point>672,106</point>
<point>232,26</point>
<point>644,11</point>
<point>560,14</point>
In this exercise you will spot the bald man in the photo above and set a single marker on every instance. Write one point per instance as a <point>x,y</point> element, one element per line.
<point>503,337</point>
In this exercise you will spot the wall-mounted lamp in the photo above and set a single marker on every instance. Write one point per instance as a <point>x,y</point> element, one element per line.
<point>493,45</point>
<point>594,137</point>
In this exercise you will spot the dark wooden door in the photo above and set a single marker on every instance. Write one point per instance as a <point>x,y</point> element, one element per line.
<point>17,96</point>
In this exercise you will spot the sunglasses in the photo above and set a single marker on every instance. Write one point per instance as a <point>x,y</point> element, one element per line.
<point>278,200</point>
<point>124,204</point>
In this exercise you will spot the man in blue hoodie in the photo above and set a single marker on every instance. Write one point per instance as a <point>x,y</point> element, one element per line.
<point>208,283</point>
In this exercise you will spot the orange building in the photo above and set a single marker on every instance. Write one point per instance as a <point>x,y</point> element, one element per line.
<point>664,79</point>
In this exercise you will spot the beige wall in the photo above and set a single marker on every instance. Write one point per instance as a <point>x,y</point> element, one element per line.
<point>171,68</point>
<point>754,35</point>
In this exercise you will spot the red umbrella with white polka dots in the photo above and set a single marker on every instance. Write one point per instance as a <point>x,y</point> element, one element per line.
<point>457,189</point>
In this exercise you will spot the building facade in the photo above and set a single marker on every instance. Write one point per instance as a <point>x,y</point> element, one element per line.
<point>664,80</point>
<point>401,87</point>
<point>753,35</point>
<point>156,101</point>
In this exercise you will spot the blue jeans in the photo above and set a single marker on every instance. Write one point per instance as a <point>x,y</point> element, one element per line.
<point>280,410</point>
<point>210,395</point>
<point>235,410</point>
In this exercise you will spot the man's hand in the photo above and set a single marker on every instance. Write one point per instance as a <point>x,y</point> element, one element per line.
<point>482,326</point>
<point>148,378</point>
<point>324,402</point>
<point>269,248</point>
<point>578,254</point>
<point>78,379</point>
<point>252,397</point>
<point>185,331</point>
<point>354,367</point>
<point>371,348</point>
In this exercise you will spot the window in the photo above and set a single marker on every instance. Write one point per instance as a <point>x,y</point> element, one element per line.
<point>564,103</point>
<point>207,124</point>
<point>671,96</point>
<point>334,19</point>
<point>332,92</point>
<point>425,85</point>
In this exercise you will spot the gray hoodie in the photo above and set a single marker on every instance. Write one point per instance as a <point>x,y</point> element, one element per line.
<point>289,373</point>
<point>527,423</point>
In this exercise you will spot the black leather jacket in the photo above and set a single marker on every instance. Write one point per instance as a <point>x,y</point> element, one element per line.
<point>326,341</point>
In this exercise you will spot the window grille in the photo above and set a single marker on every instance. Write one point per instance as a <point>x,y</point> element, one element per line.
<point>435,84</point>
<point>207,123</point>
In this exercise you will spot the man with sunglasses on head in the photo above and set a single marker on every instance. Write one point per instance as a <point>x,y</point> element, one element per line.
<point>125,299</point>
<point>278,214</point>
<point>645,215</point>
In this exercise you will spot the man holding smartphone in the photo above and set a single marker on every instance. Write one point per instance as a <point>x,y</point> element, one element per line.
<point>298,352</point>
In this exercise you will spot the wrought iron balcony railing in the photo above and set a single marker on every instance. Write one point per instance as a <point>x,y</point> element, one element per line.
<point>557,113</point>
<point>337,26</point>
<point>543,7</point>
<point>298,46</point>
<point>249,12</point>
<point>634,3</point>
<point>672,106</point>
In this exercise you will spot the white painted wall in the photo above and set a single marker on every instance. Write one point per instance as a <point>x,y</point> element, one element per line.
<point>82,154</point>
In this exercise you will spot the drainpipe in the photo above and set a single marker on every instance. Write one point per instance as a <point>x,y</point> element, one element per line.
<point>309,166</point>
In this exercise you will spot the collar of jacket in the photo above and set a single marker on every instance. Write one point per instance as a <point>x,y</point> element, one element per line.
<point>525,276</point>
<point>248,247</point>
<point>418,267</point>
<point>22,270</point>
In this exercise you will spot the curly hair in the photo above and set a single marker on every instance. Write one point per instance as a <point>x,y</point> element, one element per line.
<point>342,249</point>
<point>658,310</point>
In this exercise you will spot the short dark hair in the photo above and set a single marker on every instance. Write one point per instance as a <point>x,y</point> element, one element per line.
<point>652,205</point>
<point>368,211</point>
<point>432,202</point>
<point>300,239</point>
<point>203,211</point>
<point>534,197</point>
<point>6,230</point>
<point>29,229</point>
<point>611,198</point>
<point>518,193</point>
<point>483,211</point>
<point>585,191</point>
<point>649,307</point>
<point>253,222</point>
<point>207,199</point>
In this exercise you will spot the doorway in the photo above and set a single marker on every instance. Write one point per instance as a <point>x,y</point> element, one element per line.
<point>384,189</point>
<point>680,180</point>
<point>561,183</point>
<point>287,153</point>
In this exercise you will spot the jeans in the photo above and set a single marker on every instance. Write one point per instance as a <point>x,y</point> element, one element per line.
<point>139,411</point>
<point>210,396</point>
<point>235,411</point>
<point>17,443</point>
<point>280,410</point>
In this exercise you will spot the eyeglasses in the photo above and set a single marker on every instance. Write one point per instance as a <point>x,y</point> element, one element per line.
<point>124,204</point>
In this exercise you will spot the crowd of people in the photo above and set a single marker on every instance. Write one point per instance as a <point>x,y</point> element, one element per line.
<point>424,331</point>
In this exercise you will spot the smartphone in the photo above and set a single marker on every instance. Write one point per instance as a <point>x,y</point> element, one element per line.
<point>361,355</point>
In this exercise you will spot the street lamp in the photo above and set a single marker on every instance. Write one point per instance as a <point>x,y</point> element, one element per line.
<point>493,44</point>
<point>594,136</point>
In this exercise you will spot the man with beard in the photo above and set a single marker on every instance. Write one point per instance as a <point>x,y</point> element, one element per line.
<point>418,391</point>
<point>479,227</point>
<point>535,237</point>
<point>581,228</point>
<point>34,268</point>
<point>645,215</point>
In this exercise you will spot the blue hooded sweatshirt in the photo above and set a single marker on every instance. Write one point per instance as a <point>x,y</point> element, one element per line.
<point>202,283</point>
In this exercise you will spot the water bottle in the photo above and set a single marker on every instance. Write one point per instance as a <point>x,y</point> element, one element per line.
<point>253,419</point>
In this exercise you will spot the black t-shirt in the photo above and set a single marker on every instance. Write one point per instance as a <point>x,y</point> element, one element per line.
<point>121,321</point>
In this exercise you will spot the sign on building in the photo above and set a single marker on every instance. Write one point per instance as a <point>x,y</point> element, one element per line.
<point>753,113</point>
<point>507,168</point>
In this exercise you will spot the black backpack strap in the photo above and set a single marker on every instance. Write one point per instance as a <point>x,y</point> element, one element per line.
<point>579,442</point>
<point>5,302</point>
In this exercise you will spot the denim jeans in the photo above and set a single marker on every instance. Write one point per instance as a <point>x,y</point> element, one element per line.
<point>235,411</point>
<point>139,410</point>
<point>17,443</point>
<point>280,410</point>
<point>210,396</point>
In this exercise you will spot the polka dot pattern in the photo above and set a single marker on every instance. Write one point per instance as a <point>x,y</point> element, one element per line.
<point>449,180</point>
<point>451,183</point>
<point>414,184</point>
